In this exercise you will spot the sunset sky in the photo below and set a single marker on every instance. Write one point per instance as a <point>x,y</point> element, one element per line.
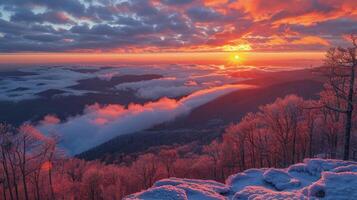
<point>48,31</point>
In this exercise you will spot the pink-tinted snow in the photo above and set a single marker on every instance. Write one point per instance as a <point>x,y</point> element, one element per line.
<point>312,179</point>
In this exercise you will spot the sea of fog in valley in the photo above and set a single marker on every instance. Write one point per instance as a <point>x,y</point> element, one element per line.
<point>87,106</point>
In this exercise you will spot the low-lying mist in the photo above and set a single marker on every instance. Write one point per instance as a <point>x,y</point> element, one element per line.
<point>100,123</point>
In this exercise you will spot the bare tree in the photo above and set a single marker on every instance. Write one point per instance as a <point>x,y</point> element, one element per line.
<point>146,167</point>
<point>168,158</point>
<point>282,118</point>
<point>340,68</point>
<point>6,137</point>
<point>214,152</point>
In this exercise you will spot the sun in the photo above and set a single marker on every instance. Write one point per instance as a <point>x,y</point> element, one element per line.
<point>235,58</point>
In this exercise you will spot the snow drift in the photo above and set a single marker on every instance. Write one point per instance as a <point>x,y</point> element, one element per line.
<point>312,179</point>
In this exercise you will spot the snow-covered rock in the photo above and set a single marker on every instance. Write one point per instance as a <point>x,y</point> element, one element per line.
<point>259,192</point>
<point>280,179</point>
<point>163,192</point>
<point>334,185</point>
<point>250,177</point>
<point>208,185</point>
<point>191,188</point>
<point>348,168</point>
<point>312,179</point>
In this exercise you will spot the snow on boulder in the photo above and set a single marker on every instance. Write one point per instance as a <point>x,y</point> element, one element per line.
<point>348,168</point>
<point>200,192</point>
<point>250,177</point>
<point>215,186</point>
<point>166,192</point>
<point>188,188</point>
<point>315,166</point>
<point>259,192</point>
<point>312,179</point>
<point>280,179</point>
<point>299,168</point>
<point>333,185</point>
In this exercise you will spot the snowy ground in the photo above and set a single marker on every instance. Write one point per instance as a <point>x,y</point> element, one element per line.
<point>313,179</point>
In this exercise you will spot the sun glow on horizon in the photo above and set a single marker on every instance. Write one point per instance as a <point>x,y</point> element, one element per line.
<point>220,58</point>
<point>235,59</point>
<point>240,47</point>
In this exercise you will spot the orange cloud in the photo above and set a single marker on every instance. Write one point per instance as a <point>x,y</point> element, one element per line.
<point>311,40</point>
<point>311,18</point>
<point>260,9</point>
<point>276,40</point>
<point>305,12</point>
<point>214,3</point>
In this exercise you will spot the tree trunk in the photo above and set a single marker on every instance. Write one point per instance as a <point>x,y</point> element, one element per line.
<point>310,143</point>
<point>51,184</point>
<point>346,153</point>
<point>37,188</point>
<point>50,175</point>
<point>7,176</point>
<point>293,154</point>
<point>23,169</point>
<point>25,186</point>
<point>4,191</point>
<point>14,178</point>
<point>242,151</point>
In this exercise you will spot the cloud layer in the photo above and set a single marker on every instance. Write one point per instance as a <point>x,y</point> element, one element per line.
<point>178,80</point>
<point>166,25</point>
<point>101,123</point>
<point>36,80</point>
<point>176,86</point>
